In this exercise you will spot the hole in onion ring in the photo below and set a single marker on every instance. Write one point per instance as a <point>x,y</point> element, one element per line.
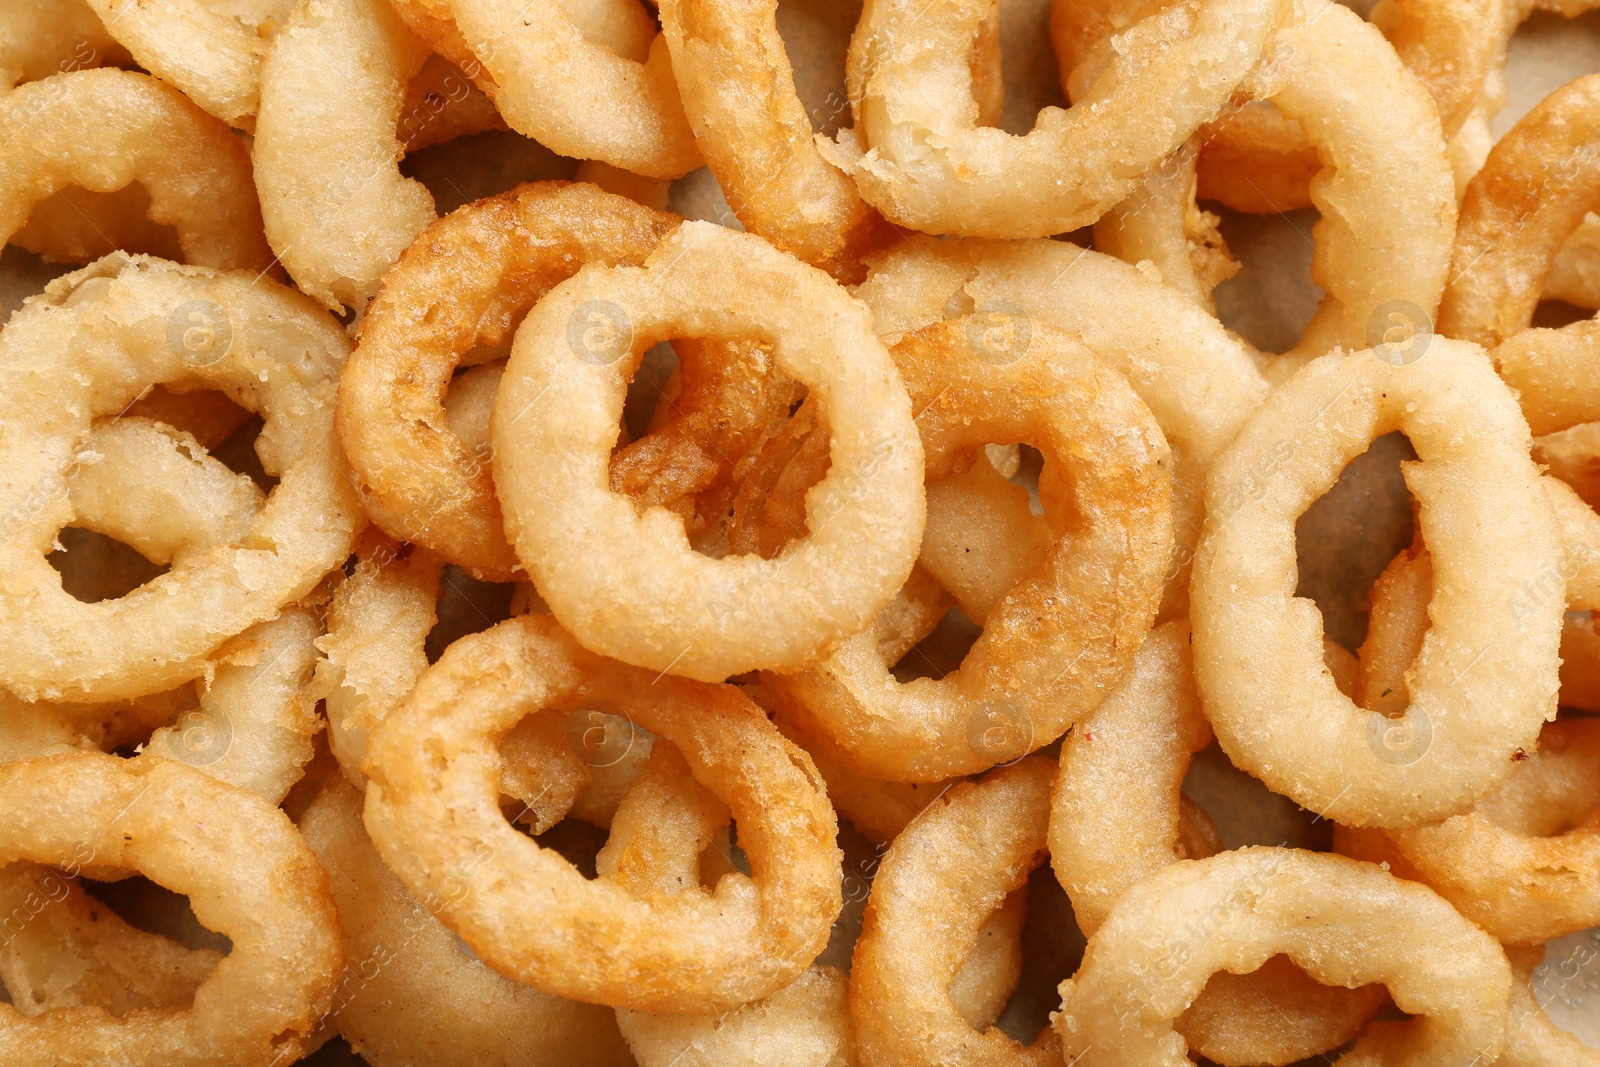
<point>77,225</point>
<point>95,567</point>
<point>238,454</point>
<point>466,606</point>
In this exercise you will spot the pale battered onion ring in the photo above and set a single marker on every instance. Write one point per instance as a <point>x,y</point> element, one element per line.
<point>77,953</point>
<point>1201,383</point>
<point>464,281</point>
<point>1346,923</point>
<point>1386,195</point>
<point>919,157</point>
<point>104,129</point>
<point>626,582</point>
<point>1487,676</point>
<point>576,96</point>
<point>949,870</point>
<point>327,151</point>
<point>269,897</point>
<point>378,621</point>
<point>151,322</point>
<point>1524,864</point>
<point>154,489</point>
<point>1540,180</point>
<point>212,56</point>
<point>438,825</point>
<point>738,90</point>
<point>414,992</point>
<point>39,38</point>
<point>1117,816</point>
<point>1068,630</point>
<point>75,225</point>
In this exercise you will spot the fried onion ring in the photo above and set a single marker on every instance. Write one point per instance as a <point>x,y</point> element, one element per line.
<point>1201,383</point>
<point>103,129</point>
<point>249,876</point>
<point>919,157</point>
<point>1532,1040</point>
<point>437,824</point>
<point>410,990</point>
<point>464,281</point>
<point>327,148</point>
<point>1117,816</point>
<point>1064,634</point>
<point>575,95</point>
<point>1540,180</point>
<point>213,56</point>
<point>1487,676</point>
<point>153,322</point>
<point>951,868</point>
<point>1346,923</point>
<point>645,595</point>
<point>738,91</point>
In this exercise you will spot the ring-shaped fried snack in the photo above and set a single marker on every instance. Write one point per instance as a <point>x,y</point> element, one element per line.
<point>210,52</point>
<point>248,875</point>
<point>1068,631</point>
<point>1347,923</point>
<point>761,149</point>
<point>1201,383</point>
<point>1487,675</point>
<point>104,129</point>
<point>415,991</point>
<point>1117,816</point>
<point>576,96</point>
<point>626,582</point>
<point>464,281</point>
<point>1524,864</point>
<point>327,149</point>
<point>89,345</point>
<point>919,157</point>
<point>1533,192</point>
<point>437,823</point>
<point>950,869</point>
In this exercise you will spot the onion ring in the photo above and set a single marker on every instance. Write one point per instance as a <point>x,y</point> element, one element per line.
<point>194,169</point>
<point>948,871</point>
<point>919,158</point>
<point>409,990</point>
<point>418,480</point>
<point>213,57</point>
<point>1103,840</point>
<point>1524,864</point>
<point>438,823</point>
<point>1201,384</point>
<point>653,601</point>
<point>327,150</point>
<point>1487,677</point>
<point>576,96</point>
<point>1344,922</point>
<point>156,322</point>
<point>268,896</point>
<point>1531,195</point>
<point>1067,632</point>
<point>761,150</point>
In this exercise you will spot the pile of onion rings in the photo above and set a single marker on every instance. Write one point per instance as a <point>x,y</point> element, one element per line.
<point>718,532</point>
